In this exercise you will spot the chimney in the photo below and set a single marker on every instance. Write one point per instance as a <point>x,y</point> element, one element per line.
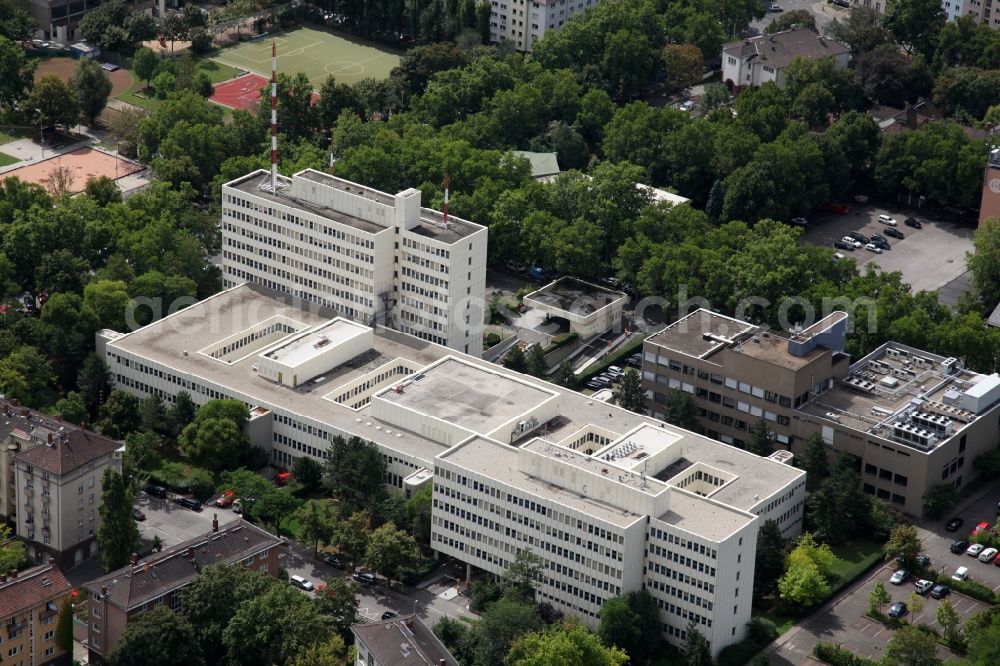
<point>50,439</point>
<point>215,522</point>
<point>135,559</point>
<point>190,552</point>
<point>442,662</point>
<point>104,590</point>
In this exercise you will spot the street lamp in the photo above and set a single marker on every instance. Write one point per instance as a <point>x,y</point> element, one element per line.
<point>41,137</point>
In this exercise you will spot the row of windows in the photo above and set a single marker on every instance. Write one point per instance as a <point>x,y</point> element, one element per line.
<point>362,299</point>
<point>671,556</point>
<point>886,475</point>
<point>293,219</point>
<point>681,577</point>
<point>423,247</point>
<point>683,595</point>
<point>693,546</point>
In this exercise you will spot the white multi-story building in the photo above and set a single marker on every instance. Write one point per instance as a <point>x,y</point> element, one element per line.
<point>613,501</point>
<point>523,22</point>
<point>754,61</point>
<point>371,256</point>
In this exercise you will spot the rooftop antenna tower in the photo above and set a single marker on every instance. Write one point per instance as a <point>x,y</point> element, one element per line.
<point>447,187</point>
<point>274,116</point>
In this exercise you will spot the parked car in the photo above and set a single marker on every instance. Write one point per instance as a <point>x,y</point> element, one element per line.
<point>515,266</point>
<point>615,370</point>
<point>898,609</point>
<point>800,221</point>
<point>961,573</point>
<point>635,360</point>
<point>981,527</point>
<point>923,586</point>
<point>959,546</point>
<point>833,207</point>
<point>226,499</point>
<point>923,560</point>
<point>775,8</point>
<point>138,515</point>
<point>861,238</point>
<point>334,561</point>
<point>365,578</point>
<point>974,549</point>
<point>895,233</point>
<point>189,503</point>
<point>882,244</point>
<point>887,219</point>
<point>301,583</point>
<point>940,591</point>
<point>911,222</point>
<point>388,615</point>
<point>988,555</point>
<point>872,247</point>
<point>853,242</point>
<point>237,506</point>
<point>156,491</point>
<point>844,245</point>
<point>953,524</point>
<point>899,577</point>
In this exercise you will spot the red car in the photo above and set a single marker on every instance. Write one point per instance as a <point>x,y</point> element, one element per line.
<point>282,478</point>
<point>226,499</point>
<point>980,528</point>
<point>842,209</point>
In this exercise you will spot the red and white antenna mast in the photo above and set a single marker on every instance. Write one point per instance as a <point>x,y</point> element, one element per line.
<point>447,187</point>
<point>274,117</point>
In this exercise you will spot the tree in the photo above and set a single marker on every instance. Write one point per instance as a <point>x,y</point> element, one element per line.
<point>618,626</point>
<point>803,585</point>
<point>697,651</point>
<point>501,625</point>
<point>815,461</point>
<point>354,472</point>
<point>153,415</point>
<point>389,549</point>
<point>210,599</point>
<point>60,181</point>
<point>683,64</point>
<point>144,63</point>
<point>568,643</point>
<point>939,500</point>
<point>910,646</point>
<point>103,190</point>
<point>769,562</point>
<point>630,395</point>
<point>17,74</point>
<point>333,652</point>
<point>418,512</point>
<point>159,637</point>
<point>878,598</point>
<point>216,439</point>
<point>985,261</point>
<point>64,628</point>
<point>117,536</point>
<point>54,101</point>
<point>915,603</point>
<point>761,439</point>
<point>12,555</point>
<point>308,472</point>
<point>180,414</point>
<point>948,618</point>
<point>273,627</point>
<point>72,409</point>
<point>515,359</point>
<point>903,542</point>
<point>915,24</point>
<point>523,573</point>
<point>274,506</point>
<point>119,415</point>
<point>682,411</point>
<point>351,536</point>
<point>982,633</point>
<point>95,382</point>
<point>839,508</point>
<point>339,602</point>
<point>92,87</point>
<point>535,362</point>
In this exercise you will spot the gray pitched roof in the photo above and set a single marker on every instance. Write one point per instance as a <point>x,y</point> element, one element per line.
<point>781,48</point>
<point>403,641</point>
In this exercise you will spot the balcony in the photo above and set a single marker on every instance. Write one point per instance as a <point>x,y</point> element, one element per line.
<point>29,491</point>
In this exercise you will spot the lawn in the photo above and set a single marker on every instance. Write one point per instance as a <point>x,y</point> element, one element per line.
<point>14,133</point>
<point>215,71</point>
<point>853,559</point>
<point>6,160</point>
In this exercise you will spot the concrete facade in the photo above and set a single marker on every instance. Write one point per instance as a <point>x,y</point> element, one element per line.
<point>30,601</point>
<point>911,419</point>
<point>524,22</point>
<point>590,310</point>
<point>754,61</point>
<point>516,462</point>
<point>369,255</point>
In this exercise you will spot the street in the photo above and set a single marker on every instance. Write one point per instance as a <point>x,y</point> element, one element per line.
<point>823,12</point>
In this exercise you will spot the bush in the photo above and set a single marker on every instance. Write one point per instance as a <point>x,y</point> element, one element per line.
<point>492,339</point>
<point>560,340</point>
<point>969,588</point>
<point>415,571</point>
<point>838,656</point>
<point>762,631</point>
<point>483,593</point>
<point>201,484</point>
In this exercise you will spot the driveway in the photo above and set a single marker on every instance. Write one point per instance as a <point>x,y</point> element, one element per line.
<point>173,523</point>
<point>929,258</point>
<point>823,12</point>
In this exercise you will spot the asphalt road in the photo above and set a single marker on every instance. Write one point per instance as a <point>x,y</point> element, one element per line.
<point>823,12</point>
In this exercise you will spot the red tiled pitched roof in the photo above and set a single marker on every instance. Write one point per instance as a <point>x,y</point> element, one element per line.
<point>32,588</point>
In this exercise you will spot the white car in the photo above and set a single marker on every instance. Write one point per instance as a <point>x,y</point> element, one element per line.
<point>886,219</point>
<point>961,573</point>
<point>852,241</point>
<point>988,555</point>
<point>687,105</point>
<point>301,583</point>
<point>974,550</point>
<point>923,586</point>
<point>801,221</point>
<point>899,577</point>
<point>872,247</point>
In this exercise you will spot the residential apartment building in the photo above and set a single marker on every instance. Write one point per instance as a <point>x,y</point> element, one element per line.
<point>30,602</point>
<point>516,462</point>
<point>401,641</point>
<point>910,418</point>
<point>158,580</point>
<point>524,22</point>
<point>51,475</point>
<point>59,19</point>
<point>369,255</point>
<point>982,10</point>
<point>754,61</point>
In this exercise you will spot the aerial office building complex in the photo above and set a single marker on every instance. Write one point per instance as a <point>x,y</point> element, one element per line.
<point>613,501</point>
<point>910,418</point>
<point>371,256</point>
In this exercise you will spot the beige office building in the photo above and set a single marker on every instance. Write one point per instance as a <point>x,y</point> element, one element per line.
<point>912,419</point>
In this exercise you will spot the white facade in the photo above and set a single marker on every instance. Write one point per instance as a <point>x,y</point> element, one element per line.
<point>516,462</point>
<point>369,255</point>
<point>523,22</point>
<point>757,60</point>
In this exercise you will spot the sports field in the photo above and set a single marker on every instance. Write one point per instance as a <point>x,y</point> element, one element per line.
<point>315,53</point>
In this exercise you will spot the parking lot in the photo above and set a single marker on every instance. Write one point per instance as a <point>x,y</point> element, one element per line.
<point>173,523</point>
<point>928,258</point>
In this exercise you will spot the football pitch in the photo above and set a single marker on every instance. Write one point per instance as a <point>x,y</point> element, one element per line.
<point>315,53</point>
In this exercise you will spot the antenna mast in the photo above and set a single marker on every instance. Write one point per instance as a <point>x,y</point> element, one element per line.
<point>274,117</point>
<point>447,187</point>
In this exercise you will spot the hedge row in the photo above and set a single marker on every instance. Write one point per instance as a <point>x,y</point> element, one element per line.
<point>838,656</point>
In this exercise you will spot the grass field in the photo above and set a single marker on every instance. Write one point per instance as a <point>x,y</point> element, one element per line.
<point>7,160</point>
<point>215,71</point>
<point>14,133</point>
<point>315,53</point>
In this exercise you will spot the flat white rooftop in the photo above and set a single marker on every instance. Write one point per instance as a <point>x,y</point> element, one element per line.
<point>307,345</point>
<point>468,395</point>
